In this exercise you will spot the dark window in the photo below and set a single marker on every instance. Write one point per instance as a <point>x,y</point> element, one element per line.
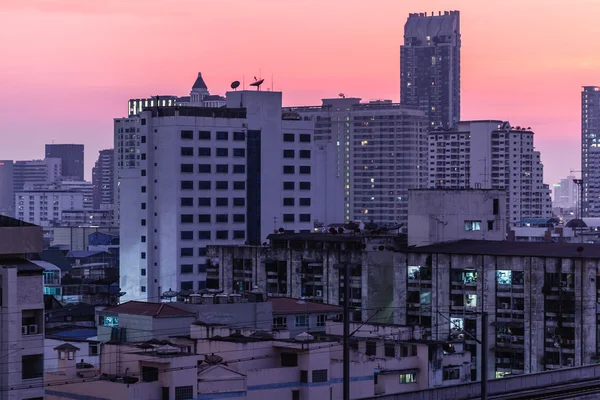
<point>319,375</point>
<point>390,350</point>
<point>496,206</point>
<point>288,154</point>
<point>203,201</point>
<point>201,253</point>
<point>143,172</point>
<point>143,222</point>
<point>305,169</point>
<point>221,152</point>
<point>204,168</point>
<point>32,367</point>
<point>143,272</point>
<point>491,225</point>
<point>187,268</point>
<point>144,136</point>
<point>185,392</point>
<point>143,156</point>
<point>203,151</point>
<point>187,252</point>
<point>187,168</point>
<point>222,135</point>
<point>187,201</point>
<point>304,185</point>
<point>239,217</point>
<point>288,169</point>
<point>187,285</point>
<point>187,151</point>
<point>288,185</point>
<point>222,235</point>
<point>295,394</point>
<point>304,153</point>
<point>239,169</point>
<point>187,185</point>
<point>143,189</point>
<point>304,217</point>
<point>187,218</point>
<point>303,376</point>
<point>288,217</point>
<point>143,289</point>
<point>143,239</point>
<point>239,136</point>
<point>305,137</point>
<point>239,234</point>
<point>204,135</point>
<point>203,235</point>
<point>149,374</point>
<point>203,218</point>
<point>239,152</point>
<point>239,185</point>
<point>239,201</point>
<point>187,235</point>
<point>143,255</point>
<point>143,206</point>
<point>187,134</point>
<point>288,137</point>
<point>222,217</point>
<point>222,201</point>
<point>222,168</point>
<point>305,201</point>
<point>289,359</point>
<point>371,349</point>
<point>288,201</point>
<point>204,185</point>
<point>221,185</point>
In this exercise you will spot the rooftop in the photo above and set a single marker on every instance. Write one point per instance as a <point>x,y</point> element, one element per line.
<point>8,222</point>
<point>288,305</point>
<point>156,310</point>
<point>504,248</point>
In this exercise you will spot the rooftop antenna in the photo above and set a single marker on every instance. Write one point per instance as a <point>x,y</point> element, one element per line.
<point>235,85</point>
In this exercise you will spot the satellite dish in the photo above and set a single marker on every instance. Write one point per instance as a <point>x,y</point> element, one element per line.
<point>257,84</point>
<point>235,85</point>
<point>342,95</point>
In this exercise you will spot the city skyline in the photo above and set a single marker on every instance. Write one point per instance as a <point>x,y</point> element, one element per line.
<point>529,87</point>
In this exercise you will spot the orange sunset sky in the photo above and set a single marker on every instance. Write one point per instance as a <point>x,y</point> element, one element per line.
<point>67,67</point>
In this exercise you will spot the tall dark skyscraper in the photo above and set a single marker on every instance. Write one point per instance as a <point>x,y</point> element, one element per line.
<point>590,151</point>
<point>103,180</point>
<point>71,156</point>
<point>430,66</point>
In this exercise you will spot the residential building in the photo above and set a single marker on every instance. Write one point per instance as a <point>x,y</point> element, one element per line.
<point>379,152</point>
<point>566,193</point>
<point>92,218</point>
<point>491,155</point>
<point>36,171</point>
<point>297,316</point>
<point>77,238</point>
<point>7,196</point>
<point>71,156</point>
<point>542,230</point>
<point>444,215</point>
<point>430,66</point>
<point>193,176</point>
<point>84,187</point>
<point>590,151</point>
<point>22,317</point>
<point>45,206</point>
<point>103,180</point>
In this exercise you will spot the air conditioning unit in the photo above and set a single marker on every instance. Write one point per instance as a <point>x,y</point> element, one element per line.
<point>33,329</point>
<point>24,330</point>
<point>319,293</point>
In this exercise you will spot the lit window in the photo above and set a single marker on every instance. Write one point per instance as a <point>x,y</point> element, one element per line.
<point>472,225</point>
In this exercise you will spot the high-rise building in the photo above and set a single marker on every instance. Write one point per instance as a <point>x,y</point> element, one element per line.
<point>103,179</point>
<point>36,171</point>
<point>188,177</point>
<point>430,66</point>
<point>566,193</point>
<point>72,158</point>
<point>7,199</point>
<point>491,155</point>
<point>380,153</point>
<point>590,151</point>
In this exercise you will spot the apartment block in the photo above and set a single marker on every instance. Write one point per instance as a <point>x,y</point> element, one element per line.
<point>35,171</point>
<point>380,151</point>
<point>45,206</point>
<point>103,178</point>
<point>590,151</point>
<point>491,155</point>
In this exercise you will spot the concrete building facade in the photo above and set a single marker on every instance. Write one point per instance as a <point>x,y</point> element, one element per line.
<point>430,66</point>
<point>380,151</point>
<point>590,151</point>
<point>72,159</point>
<point>44,207</point>
<point>566,194</point>
<point>491,155</point>
<point>103,180</point>
<point>7,196</point>
<point>193,176</point>
<point>35,171</point>
<point>445,215</point>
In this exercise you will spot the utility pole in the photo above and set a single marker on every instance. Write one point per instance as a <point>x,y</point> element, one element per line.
<point>346,332</point>
<point>484,355</point>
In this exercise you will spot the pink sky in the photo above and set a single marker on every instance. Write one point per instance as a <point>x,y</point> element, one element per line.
<point>68,66</point>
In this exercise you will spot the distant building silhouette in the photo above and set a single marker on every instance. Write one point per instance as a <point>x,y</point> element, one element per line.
<point>590,151</point>
<point>72,158</point>
<point>103,178</point>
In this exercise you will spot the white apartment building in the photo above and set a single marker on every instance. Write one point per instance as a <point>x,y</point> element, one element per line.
<point>45,207</point>
<point>380,151</point>
<point>22,312</point>
<point>491,155</point>
<point>193,176</point>
<point>47,170</point>
<point>566,193</point>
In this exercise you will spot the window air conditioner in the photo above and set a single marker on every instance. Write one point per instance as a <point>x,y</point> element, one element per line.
<point>24,330</point>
